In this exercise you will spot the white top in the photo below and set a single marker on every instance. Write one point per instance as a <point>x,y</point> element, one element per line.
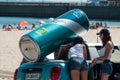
<point>76,51</point>
<point>102,52</point>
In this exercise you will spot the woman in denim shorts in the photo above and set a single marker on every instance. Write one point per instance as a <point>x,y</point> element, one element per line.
<point>105,54</point>
<point>77,55</point>
<point>106,68</point>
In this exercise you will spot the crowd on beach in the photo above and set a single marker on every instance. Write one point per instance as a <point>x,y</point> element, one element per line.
<point>10,27</point>
<point>98,25</point>
<point>24,25</point>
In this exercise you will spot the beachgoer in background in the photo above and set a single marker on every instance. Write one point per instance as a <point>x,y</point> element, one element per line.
<point>3,27</point>
<point>33,26</point>
<point>25,28</point>
<point>19,27</point>
<point>77,56</point>
<point>8,28</point>
<point>105,54</point>
<point>105,25</point>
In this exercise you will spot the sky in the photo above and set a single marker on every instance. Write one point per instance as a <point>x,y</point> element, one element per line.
<point>43,1</point>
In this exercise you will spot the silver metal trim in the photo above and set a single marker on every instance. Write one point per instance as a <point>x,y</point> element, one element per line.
<point>72,25</point>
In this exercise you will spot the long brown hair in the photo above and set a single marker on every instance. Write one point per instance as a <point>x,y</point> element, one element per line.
<point>105,39</point>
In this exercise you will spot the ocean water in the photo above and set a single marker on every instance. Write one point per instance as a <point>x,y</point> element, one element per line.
<point>15,21</point>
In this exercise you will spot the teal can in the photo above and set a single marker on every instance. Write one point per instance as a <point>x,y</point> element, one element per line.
<point>37,44</point>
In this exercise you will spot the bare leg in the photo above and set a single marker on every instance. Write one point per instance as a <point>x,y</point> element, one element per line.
<point>75,75</point>
<point>104,77</point>
<point>84,75</point>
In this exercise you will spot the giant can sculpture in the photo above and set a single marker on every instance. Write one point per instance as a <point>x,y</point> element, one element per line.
<point>37,44</point>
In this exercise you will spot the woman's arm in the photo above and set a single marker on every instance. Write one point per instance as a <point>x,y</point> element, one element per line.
<point>108,48</point>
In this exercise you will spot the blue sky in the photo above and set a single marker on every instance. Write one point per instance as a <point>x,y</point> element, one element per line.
<point>43,1</point>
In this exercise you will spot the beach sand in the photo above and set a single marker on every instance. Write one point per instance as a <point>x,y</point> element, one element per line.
<point>10,55</point>
<point>91,36</point>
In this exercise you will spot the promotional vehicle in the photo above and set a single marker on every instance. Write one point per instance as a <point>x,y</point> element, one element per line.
<point>53,69</point>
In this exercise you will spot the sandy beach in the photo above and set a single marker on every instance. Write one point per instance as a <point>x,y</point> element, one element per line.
<point>10,55</point>
<point>91,36</point>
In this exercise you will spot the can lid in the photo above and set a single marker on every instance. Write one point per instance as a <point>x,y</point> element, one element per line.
<point>29,49</point>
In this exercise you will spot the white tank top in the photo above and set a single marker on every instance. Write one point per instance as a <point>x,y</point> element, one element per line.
<point>76,51</point>
<point>102,52</point>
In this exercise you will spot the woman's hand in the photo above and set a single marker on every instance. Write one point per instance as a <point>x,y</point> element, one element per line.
<point>94,62</point>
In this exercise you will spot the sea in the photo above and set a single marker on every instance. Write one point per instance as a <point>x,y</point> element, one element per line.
<point>14,21</point>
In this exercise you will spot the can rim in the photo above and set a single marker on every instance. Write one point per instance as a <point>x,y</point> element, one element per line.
<point>35,46</point>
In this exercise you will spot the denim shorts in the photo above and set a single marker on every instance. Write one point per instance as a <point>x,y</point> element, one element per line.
<point>106,68</point>
<point>77,63</point>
